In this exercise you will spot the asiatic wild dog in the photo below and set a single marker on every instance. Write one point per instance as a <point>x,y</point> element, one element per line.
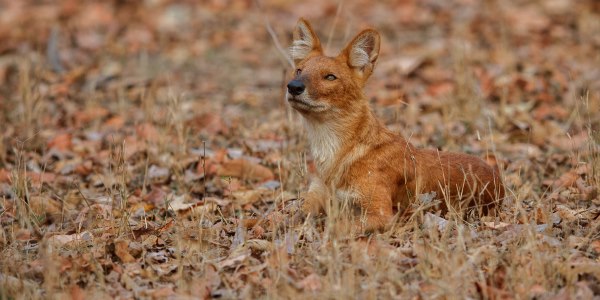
<point>357,158</point>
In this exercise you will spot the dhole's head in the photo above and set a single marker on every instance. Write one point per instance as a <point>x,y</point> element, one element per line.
<point>324,84</point>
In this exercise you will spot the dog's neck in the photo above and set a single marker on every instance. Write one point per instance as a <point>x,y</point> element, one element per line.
<point>332,138</point>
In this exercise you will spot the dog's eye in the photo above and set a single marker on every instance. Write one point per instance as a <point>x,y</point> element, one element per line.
<point>330,77</point>
<point>298,71</point>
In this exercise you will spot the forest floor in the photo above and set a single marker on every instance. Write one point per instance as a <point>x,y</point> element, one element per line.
<point>138,139</point>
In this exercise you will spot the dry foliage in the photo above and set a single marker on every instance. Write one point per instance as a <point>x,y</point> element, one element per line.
<point>147,150</point>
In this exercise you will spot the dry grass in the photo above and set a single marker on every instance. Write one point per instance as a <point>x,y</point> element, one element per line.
<point>120,170</point>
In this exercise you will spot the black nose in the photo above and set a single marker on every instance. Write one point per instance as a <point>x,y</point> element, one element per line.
<point>295,87</point>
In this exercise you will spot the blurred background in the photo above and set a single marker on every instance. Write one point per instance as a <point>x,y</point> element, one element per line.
<point>137,103</point>
<point>537,58</point>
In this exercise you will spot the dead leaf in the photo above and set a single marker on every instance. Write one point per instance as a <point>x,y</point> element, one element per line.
<point>162,293</point>
<point>147,132</point>
<point>441,89</point>
<point>496,225</point>
<point>566,213</point>
<point>157,174</point>
<point>208,282</point>
<point>23,235</point>
<point>166,226</point>
<point>210,123</point>
<point>257,231</point>
<point>576,241</point>
<point>245,169</point>
<point>431,221</point>
<point>258,245</point>
<point>537,291</point>
<point>89,215</point>
<point>158,257</point>
<point>491,292</point>
<point>156,196</point>
<point>248,197</point>
<point>90,114</point>
<point>5,176</point>
<point>61,142</point>
<point>179,203</point>
<point>406,65</point>
<point>122,251</point>
<point>64,239</point>
<point>565,180</point>
<point>116,122</point>
<point>311,283</point>
<point>77,293</point>
<point>42,177</point>
<point>595,246</point>
<point>571,143</point>
<point>236,258</point>
<point>588,192</point>
<point>41,205</point>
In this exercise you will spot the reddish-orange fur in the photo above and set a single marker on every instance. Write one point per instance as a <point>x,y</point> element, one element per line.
<point>357,157</point>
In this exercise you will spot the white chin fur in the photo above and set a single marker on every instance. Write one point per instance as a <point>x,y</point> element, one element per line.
<point>304,103</point>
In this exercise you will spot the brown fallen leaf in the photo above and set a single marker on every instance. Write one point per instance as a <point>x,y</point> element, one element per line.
<point>179,203</point>
<point>566,214</point>
<point>89,215</point>
<point>588,192</point>
<point>565,180</point>
<point>77,293</point>
<point>122,251</point>
<point>546,110</point>
<point>496,225</point>
<point>41,205</point>
<point>157,196</point>
<point>571,143</point>
<point>311,283</point>
<point>258,245</point>
<point>204,285</point>
<point>5,176</point>
<point>210,123</point>
<point>248,196</point>
<point>257,231</point>
<point>39,178</point>
<point>440,89</point>
<point>89,114</point>
<point>249,223</point>
<point>433,221</point>
<point>166,226</point>
<point>404,64</point>
<point>23,235</point>
<point>63,239</point>
<point>147,132</point>
<point>61,142</point>
<point>158,174</point>
<point>537,290</point>
<point>490,292</point>
<point>243,168</point>
<point>207,166</point>
<point>164,292</point>
<point>84,168</point>
<point>595,246</point>
<point>115,122</point>
<point>236,258</point>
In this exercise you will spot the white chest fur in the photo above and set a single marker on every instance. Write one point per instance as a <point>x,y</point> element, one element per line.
<point>324,144</point>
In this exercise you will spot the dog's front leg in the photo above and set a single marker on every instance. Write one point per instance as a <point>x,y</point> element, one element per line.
<point>314,199</point>
<point>376,211</point>
<point>314,203</point>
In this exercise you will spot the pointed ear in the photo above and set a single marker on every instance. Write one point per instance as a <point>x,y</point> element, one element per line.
<point>305,42</point>
<point>363,51</point>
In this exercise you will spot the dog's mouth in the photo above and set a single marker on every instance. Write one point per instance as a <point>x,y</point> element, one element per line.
<point>301,104</point>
